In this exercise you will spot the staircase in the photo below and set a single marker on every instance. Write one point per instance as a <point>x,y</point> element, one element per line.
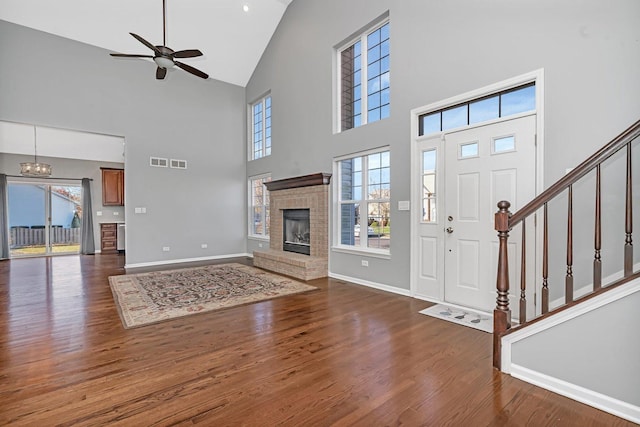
<point>585,343</point>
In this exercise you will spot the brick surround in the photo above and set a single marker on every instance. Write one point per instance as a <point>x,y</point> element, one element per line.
<point>305,192</point>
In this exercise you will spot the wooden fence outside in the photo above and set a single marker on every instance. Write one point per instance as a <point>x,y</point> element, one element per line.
<point>24,236</point>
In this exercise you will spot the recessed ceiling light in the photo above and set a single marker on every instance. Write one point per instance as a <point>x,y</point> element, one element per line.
<point>245,8</point>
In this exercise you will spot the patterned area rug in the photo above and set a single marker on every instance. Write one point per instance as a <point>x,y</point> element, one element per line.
<point>461,316</point>
<point>148,298</point>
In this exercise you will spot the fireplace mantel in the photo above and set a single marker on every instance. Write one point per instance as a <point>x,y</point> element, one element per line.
<point>299,181</point>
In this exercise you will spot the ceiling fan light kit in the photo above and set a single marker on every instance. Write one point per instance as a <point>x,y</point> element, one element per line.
<point>164,57</point>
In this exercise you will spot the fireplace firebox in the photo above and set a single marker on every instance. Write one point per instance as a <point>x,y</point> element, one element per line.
<point>296,231</point>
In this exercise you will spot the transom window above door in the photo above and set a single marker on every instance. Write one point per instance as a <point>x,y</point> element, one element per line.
<point>501,104</point>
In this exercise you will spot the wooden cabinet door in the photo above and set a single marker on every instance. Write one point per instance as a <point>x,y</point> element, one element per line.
<point>112,187</point>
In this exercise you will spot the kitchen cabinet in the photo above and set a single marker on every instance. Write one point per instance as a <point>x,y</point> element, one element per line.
<point>112,187</point>
<point>108,238</point>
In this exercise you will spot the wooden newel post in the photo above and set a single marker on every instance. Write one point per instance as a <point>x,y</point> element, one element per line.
<point>502,313</point>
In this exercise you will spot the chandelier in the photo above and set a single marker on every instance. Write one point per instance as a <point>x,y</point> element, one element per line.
<point>35,169</point>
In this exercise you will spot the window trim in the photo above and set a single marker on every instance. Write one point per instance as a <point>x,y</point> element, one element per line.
<point>251,124</point>
<point>337,203</point>
<point>250,233</point>
<point>360,35</point>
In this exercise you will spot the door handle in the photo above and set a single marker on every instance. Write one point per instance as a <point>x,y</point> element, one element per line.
<point>449,230</point>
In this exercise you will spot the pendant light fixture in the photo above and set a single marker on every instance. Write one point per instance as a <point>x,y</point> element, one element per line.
<point>35,169</point>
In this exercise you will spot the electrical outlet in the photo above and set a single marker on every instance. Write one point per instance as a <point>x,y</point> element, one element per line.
<point>259,245</point>
<point>98,213</point>
<point>166,248</point>
<point>204,246</point>
<point>365,263</point>
<point>116,213</point>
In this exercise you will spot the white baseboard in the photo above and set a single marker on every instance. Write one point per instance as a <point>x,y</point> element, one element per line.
<point>185,260</point>
<point>588,397</point>
<point>380,286</point>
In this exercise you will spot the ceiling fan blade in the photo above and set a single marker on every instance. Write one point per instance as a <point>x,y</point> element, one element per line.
<point>190,53</point>
<point>146,43</point>
<point>160,73</point>
<point>192,70</point>
<point>126,55</point>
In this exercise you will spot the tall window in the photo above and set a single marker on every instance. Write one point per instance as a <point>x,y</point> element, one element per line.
<point>364,206</point>
<point>261,128</point>
<point>259,206</point>
<point>364,78</point>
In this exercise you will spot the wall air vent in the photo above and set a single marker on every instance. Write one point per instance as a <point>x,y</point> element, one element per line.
<point>178,164</point>
<point>158,162</point>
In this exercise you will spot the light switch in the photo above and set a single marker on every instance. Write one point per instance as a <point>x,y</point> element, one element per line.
<point>403,205</point>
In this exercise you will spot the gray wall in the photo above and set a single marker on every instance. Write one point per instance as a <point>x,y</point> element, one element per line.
<point>71,168</point>
<point>605,359</point>
<point>588,49</point>
<point>52,81</point>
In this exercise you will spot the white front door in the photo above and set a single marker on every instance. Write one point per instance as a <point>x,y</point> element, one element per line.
<point>462,177</point>
<point>483,166</point>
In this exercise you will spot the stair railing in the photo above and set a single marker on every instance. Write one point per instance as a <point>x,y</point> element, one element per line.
<point>505,221</point>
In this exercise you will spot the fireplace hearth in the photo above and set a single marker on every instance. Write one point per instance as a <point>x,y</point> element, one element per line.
<point>296,231</point>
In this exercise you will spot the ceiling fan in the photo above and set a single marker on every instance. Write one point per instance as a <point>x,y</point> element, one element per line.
<point>164,56</point>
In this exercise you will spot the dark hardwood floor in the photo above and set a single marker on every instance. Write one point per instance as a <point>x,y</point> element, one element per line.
<point>343,355</point>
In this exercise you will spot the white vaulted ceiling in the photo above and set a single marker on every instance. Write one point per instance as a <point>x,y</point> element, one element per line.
<point>231,39</point>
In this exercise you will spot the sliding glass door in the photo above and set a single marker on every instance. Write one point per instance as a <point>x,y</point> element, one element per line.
<point>44,218</point>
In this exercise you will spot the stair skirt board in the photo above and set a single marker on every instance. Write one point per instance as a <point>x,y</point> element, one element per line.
<point>588,397</point>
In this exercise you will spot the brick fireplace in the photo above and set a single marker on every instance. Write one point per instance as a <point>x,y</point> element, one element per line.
<point>304,192</point>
